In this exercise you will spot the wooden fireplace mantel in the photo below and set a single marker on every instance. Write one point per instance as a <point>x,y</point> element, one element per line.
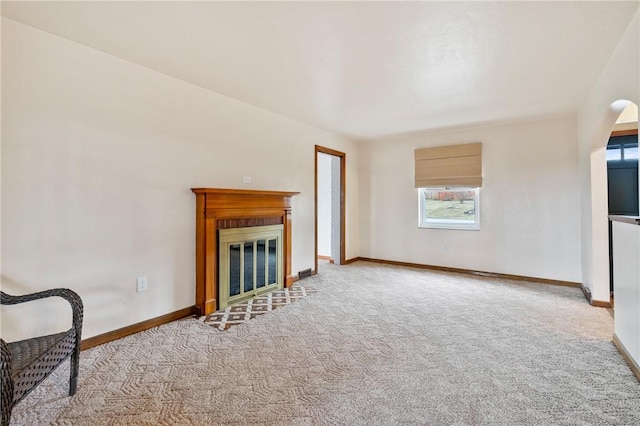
<point>234,208</point>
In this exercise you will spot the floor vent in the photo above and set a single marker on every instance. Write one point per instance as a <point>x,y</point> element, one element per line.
<point>304,274</point>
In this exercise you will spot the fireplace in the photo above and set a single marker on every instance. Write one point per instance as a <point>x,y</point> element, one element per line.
<point>243,245</point>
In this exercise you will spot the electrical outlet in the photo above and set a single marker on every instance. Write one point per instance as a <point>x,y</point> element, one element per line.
<point>246,179</point>
<point>142,284</point>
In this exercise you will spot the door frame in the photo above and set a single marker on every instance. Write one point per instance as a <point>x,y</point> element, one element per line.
<point>343,160</point>
<point>615,134</point>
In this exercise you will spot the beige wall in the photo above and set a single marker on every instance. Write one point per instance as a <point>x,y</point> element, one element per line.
<point>597,116</point>
<point>99,156</point>
<point>629,115</point>
<point>529,203</point>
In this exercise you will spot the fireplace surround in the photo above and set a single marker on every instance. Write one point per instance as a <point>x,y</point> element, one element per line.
<point>222,209</point>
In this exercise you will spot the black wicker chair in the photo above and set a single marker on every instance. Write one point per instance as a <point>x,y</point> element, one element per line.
<point>26,363</point>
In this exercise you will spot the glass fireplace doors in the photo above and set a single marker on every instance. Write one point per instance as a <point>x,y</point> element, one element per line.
<point>250,263</point>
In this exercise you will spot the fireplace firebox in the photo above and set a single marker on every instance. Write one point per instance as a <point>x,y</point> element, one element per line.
<point>250,263</point>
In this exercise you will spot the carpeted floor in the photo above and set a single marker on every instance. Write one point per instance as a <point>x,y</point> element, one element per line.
<point>376,345</point>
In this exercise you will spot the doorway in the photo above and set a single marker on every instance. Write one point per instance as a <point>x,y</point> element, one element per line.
<point>330,168</point>
<point>621,115</point>
<point>622,182</point>
<point>622,173</point>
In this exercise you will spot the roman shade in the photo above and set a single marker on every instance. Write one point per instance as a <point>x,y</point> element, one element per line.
<point>449,166</point>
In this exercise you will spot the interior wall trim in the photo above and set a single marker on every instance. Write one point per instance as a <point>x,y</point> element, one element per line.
<point>135,328</point>
<point>629,132</point>
<point>343,196</point>
<point>596,303</point>
<point>601,304</point>
<point>627,357</point>
<point>472,272</point>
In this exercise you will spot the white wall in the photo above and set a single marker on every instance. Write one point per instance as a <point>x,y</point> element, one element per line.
<point>529,202</point>
<point>99,156</point>
<point>597,116</point>
<point>324,204</point>
<point>626,278</point>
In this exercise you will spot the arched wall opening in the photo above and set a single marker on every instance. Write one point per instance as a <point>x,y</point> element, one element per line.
<point>599,199</point>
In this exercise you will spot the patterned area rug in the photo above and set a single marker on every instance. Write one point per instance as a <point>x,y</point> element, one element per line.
<point>241,312</point>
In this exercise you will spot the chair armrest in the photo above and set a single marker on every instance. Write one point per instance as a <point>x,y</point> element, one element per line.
<point>69,295</point>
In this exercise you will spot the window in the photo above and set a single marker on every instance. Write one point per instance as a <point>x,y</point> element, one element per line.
<point>627,151</point>
<point>449,208</point>
<point>614,153</point>
<point>631,151</point>
<point>622,148</point>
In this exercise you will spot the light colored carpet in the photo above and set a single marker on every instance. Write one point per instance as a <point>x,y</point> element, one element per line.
<point>376,345</point>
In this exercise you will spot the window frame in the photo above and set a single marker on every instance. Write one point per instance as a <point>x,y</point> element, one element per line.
<point>426,223</point>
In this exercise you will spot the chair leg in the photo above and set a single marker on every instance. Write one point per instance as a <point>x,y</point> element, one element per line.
<point>73,379</point>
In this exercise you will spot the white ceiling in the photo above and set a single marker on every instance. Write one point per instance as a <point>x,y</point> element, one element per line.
<point>360,69</point>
